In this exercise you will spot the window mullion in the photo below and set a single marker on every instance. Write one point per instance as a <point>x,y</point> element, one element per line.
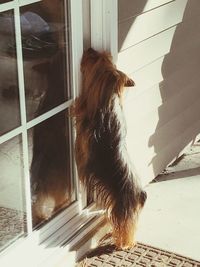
<point>23,119</point>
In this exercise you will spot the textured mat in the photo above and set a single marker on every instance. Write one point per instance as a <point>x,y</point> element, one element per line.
<point>141,255</point>
<point>12,226</point>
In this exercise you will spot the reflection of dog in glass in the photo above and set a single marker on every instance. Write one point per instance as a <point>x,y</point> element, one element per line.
<point>101,155</point>
<point>50,167</point>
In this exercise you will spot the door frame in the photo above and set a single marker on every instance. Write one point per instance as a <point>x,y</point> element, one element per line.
<point>47,245</point>
<point>104,26</point>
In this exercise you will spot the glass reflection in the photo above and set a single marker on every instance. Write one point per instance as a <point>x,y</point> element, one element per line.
<point>12,200</point>
<point>44,53</point>
<point>4,1</point>
<point>52,187</point>
<point>9,95</point>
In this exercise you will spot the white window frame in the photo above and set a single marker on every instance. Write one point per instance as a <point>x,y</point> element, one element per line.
<point>104,26</point>
<point>45,247</point>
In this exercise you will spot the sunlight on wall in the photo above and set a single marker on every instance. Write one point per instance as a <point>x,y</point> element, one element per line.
<point>150,23</point>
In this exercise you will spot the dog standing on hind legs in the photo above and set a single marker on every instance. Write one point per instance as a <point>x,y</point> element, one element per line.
<point>100,148</point>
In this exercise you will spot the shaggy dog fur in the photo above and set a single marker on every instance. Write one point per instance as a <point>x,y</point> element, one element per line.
<point>101,155</point>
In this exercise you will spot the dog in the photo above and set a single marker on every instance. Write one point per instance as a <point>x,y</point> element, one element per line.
<point>101,156</point>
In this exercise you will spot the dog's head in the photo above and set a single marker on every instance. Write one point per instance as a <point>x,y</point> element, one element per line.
<point>101,79</point>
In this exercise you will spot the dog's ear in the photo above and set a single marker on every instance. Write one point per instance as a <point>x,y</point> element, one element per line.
<point>129,82</point>
<point>91,51</point>
<point>89,59</point>
<point>123,81</point>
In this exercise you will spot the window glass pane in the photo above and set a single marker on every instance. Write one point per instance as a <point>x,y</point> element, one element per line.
<point>50,160</point>
<point>12,203</point>
<point>44,46</point>
<point>9,95</point>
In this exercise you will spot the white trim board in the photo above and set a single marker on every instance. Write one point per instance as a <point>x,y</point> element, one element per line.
<point>104,26</point>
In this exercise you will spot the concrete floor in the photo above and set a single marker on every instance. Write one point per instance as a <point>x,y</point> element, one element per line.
<point>171,217</point>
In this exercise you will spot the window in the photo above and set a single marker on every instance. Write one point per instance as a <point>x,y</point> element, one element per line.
<point>39,77</point>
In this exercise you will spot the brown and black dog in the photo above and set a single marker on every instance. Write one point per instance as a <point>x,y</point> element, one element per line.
<point>100,147</point>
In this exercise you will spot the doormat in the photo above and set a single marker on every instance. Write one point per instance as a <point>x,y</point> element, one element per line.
<point>12,225</point>
<point>141,255</point>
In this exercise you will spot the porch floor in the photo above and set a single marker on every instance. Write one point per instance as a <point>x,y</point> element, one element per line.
<point>171,217</point>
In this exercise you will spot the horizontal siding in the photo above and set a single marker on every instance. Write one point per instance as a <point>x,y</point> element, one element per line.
<point>148,162</point>
<point>151,80</point>
<point>134,30</point>
<point>137,6</point>
<point>130,60</point>
<point>153,75</point>
<point>147,169</point>
<point>161,122</point>
<point>162,110</point>
<point>144,53</point>
<point>174,149</point>
<point>150,133</point>
<point>150,100</point>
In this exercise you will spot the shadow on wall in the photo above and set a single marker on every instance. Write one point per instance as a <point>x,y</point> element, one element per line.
<point>164,59</point>
<point>138,6</point>
<point>179,121</point>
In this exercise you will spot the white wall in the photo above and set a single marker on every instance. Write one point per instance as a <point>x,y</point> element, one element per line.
<point>159,46</point>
